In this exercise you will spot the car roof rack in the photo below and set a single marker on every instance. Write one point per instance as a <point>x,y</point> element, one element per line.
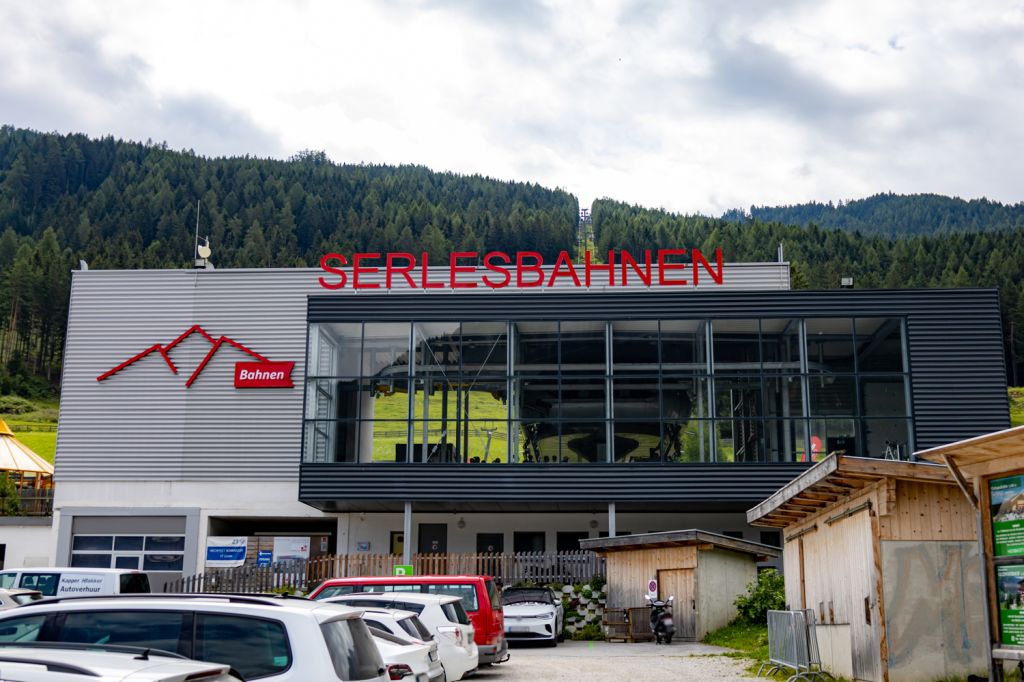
<point>233,597</point>
<point>79,646</point>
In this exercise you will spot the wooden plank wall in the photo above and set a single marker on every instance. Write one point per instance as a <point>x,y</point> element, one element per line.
<point>926,511</point>
<point>629,571</point>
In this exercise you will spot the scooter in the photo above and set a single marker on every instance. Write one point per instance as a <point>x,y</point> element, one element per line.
<point>661,619</point>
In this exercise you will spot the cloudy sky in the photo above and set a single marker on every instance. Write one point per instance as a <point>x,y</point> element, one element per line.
<point>694,107</point>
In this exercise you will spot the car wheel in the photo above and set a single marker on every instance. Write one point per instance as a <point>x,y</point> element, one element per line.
<point>553,642</point>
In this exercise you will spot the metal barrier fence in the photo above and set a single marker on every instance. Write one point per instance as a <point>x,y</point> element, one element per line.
<point>793,645</point>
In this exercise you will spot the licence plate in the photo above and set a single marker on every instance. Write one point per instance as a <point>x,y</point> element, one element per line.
<point>519,628</point>
<point>667,621</point>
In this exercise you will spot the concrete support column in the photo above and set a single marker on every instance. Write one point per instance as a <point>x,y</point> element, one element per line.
<point>341,539</point>
<point>611,519</point>
<point>407,535</point>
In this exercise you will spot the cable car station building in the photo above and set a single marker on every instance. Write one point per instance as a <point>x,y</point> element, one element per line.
<point>397,417</point>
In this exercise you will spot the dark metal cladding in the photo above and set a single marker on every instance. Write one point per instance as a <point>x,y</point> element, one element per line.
<point>954,339</point>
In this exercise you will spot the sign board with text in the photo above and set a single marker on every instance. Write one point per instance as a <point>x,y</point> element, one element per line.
<point>403,570</point>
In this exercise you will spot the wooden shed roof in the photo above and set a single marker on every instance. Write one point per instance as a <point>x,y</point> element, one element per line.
<point>832,481</point>
<point>983,454</point>
<point>677,538</point>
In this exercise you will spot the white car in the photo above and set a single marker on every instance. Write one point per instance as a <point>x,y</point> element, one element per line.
<point>406,627</point>
<point>70,663</point>
<point>14,598</point>
<point>405,658</point>
<point>62,581</point>
<point>532,613</point>
<point>442,614</point>
<point>269,638</point>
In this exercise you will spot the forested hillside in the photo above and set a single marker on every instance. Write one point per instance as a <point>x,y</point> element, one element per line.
<point>894,214</point>
<point>820,257</point>
<point>126,205</point>
<point>117,204</point>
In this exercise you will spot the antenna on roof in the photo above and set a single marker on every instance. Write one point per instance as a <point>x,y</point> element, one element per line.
<point>196,260</point>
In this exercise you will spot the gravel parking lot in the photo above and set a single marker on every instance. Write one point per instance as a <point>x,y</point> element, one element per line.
<point>603,661</point>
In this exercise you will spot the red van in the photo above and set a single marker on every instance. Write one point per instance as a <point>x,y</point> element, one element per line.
<point>479,594</point>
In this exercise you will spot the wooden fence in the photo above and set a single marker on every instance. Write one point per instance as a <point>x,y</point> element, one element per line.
<point>304,575</point>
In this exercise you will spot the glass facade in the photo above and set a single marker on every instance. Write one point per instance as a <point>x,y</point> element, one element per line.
<point>622,391</point>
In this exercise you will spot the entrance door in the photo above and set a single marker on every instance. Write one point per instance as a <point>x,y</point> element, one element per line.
<point>397,542</point>
<point>489,543</point>
<point>678,583</point>
<point>433,542</point>
<point>528,541</point>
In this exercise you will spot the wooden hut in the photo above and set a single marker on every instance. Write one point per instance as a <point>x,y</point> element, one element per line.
<point>884,552</point>
<point>990,472</point>
<point>705,572</point>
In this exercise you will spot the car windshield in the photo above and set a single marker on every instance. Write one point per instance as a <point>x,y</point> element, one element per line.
<point>353,653</point>
<point>526,596</point>
<point>26,597</point>
<point>335,591</point>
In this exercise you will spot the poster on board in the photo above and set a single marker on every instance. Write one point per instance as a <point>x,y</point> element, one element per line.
<point>289,548</point>
<point>1010,594</point>
<point>225,552</point>
<point>1007,508</point>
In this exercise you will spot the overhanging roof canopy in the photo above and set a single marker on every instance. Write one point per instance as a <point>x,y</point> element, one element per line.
<point>16,456</point>
<point>677,538</point>
<point>831,481</point>
<point>982,454</point>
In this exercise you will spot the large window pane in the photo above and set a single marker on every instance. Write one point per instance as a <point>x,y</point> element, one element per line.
<point>484,348</point>
<point>783,395</point>
<point>538,398</point>
<point>637,441</point>
<point>883,396</point>
<point>485,441</point>
<point>636,398</point>
<point>92,542</point>
<point>833,436</point>
<point>437,347</point>
<point>740,440</point>
<point>583,348</point>
<point>583,398</point>
<point>538,442</point>
<point>832,395</point>
<point>536,347</point>
<point>385,349</point>
<point>683,399</point>
<point>738,397</point>
<point>736,346</point>
<point>434,442</point>
<point>780,345</point>
<point>334,349</point>
<point>886,438</point>
<point>484,399</point>
<point>583,443</point>
<point>686,441</point>
<point>384,398</point>
<point>683,347</point>
<point>829,345</point>
<point>784,440</point>
<point>383,441</point>
<point>880,345</point>
<point>90,560</point>
<point>635,346</point>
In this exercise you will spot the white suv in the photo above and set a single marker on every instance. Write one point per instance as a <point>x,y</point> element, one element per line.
<point>268,638</point>
<point>443,616</point>
<point>39,662</point>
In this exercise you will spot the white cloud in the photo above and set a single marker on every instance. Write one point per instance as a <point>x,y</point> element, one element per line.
<point>690,106</point>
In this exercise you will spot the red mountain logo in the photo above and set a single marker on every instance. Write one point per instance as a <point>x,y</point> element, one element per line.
<point>275,368</point>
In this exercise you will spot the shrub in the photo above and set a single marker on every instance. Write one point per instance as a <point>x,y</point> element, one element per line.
<point>10,502</point>
<point>12,404</point>
<point>597,583</point>
<point>591,632</point>
<point>769,592</point>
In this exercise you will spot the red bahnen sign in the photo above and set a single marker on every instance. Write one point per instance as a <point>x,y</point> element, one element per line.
<point>522,270</point>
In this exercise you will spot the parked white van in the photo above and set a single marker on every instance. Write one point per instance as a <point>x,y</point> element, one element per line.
<point>76,582</point>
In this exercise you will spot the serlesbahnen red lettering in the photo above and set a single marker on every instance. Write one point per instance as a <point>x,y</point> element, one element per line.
<point>524,269</point>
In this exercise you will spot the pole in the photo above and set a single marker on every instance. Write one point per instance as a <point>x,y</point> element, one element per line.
<point>611,519</point>
<point>195,246</point>
<point>407,535</point>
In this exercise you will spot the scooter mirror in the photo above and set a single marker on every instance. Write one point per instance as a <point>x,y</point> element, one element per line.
<point>670,599</point>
